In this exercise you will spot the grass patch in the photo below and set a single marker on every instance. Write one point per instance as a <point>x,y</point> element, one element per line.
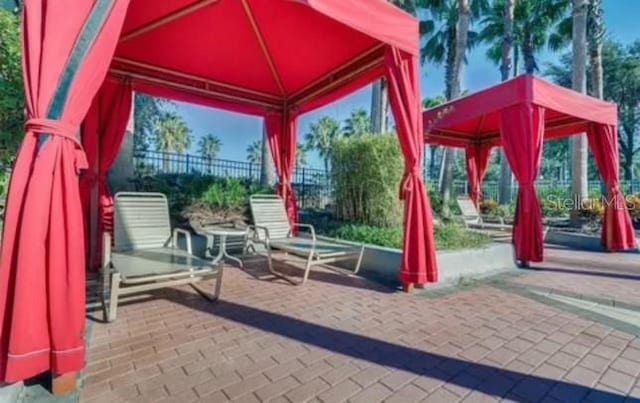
<point>448,236</point>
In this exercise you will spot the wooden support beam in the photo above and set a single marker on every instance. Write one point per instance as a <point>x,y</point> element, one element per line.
<point>190,89</point>
<point>264,47</point>
<point>167,18</point>
<point>203,80</point>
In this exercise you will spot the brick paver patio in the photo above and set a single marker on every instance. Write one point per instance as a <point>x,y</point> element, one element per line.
<point>347,339</point>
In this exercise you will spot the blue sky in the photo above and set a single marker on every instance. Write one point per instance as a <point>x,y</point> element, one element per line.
<point>237,131</point>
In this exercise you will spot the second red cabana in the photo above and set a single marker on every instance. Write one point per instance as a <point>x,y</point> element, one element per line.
<point>518,115</point>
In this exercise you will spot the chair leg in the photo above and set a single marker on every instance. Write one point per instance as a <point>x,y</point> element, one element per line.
<point>112,312</point>
<point>307,268</point>
<point>359,262</point>
<point>216,293</point>
<point>269,262</point>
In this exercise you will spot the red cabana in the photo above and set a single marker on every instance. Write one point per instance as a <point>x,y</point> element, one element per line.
<point>273,58</point>
<point>518,115</point>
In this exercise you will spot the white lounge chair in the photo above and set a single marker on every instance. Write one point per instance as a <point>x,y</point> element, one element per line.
<point>271,228</point>
<point>145,255</point>
<point>474,220</point>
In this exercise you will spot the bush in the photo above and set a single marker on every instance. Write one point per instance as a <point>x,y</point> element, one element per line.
<point>437,203</point>
<point>455,236</point>
<point>448,236</point>
<point>366,173</point>
<point>633,204</point>
<point>553,201</point>
<point>390,237</point>
<point>228,193</point>
<point>592,209</point>
<point>207,199</point>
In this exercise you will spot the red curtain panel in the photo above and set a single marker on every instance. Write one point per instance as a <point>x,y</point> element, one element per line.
<point>477,158</point>
<point>419,263</point>
<point>102,134</point>
<point>67,46</point>
<point>617,230</point>
<point>282,132</point>
<point>522,132</point>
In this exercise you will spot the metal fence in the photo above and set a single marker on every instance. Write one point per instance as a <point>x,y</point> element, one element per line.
<point>312,186</point>
<point>490,188</point>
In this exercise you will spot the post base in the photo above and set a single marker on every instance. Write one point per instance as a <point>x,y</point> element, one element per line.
<point>62,384</point>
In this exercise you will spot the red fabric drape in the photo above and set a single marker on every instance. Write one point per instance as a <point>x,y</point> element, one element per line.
<point>477,157</point>
<point>418,259</point>
<point>282,132</point>
<point>102,134</point>
<point>522,132</point>
<point>617,230</point>
<point>67,46</point>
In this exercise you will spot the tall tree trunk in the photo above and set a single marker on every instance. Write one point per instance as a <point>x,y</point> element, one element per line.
<point>379,106</point>
<point>432,159</point>
<point>504,184</point>
<point>595,35</point>
<point>454,89</point>
<point>516,56</point>
<point>266,167</point>
<point>165,161</point>
<point>528,54</point>
<point>579,189</point>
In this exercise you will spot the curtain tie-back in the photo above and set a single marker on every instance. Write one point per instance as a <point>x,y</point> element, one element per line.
<point>55,127</point>
<point>61,129</point>
<point>407,185</point>
<point>614,189</point>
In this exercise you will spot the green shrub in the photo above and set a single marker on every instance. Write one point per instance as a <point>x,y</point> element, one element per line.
<point>366,173</point>
<point>454,236</point>
<point>437,203</point>
<point>188,193</point>
<point>390,237</point>
<point>447,236</point>
<point>228,193</point>
<point>4,182</point>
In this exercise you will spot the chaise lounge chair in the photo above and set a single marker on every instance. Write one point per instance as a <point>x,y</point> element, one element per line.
<point>474,220</point>
<point>272,229</point>
<point>145,255</point>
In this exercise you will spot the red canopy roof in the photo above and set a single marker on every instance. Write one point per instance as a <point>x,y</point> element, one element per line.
<point>300,53</point>
<point>476,118</point>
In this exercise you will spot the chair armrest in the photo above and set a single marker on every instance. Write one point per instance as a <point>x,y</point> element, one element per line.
<point>106,250</point>
<point>309,226</point>
<point>256,232</point>
<point>187,235</point>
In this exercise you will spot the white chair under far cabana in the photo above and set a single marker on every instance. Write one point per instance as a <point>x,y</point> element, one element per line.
<point>271,228</point>
<point>145,254</point>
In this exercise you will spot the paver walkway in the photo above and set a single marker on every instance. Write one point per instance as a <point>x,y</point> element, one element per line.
<point>343,338</point>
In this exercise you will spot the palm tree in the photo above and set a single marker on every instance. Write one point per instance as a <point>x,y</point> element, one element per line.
<point>358,123</point>
<point>535,25</point>
<point>301,156</point>
<point>579,189</point>
<point>432,103</point>
<point>209,148</point>
<point>595,34</point>
<point>447,39</point>
<point>379,93</point>
<point>266,164</point>
<point>321,136</point>
<point>527,26</point>
<point>254,152</point>
<point>171,135</point>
